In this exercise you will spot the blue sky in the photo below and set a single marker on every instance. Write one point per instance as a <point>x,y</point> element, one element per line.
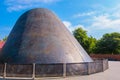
<point>96,16</point>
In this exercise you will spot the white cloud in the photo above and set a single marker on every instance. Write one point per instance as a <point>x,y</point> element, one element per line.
<point>100,25</point>
<point>80,25</point>
<point>16,5</point>
<point>71,27</point>
<point>84,14</point>
<point>68,25</point>
<point>103,22</point>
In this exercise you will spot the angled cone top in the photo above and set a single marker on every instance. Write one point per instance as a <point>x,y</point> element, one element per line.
<point>40,37</point>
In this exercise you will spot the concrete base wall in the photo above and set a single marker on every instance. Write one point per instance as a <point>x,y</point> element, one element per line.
<point>52,70</point>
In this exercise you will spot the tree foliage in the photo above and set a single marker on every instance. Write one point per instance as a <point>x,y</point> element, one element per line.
<point>88,43</point>
<point>5,38</point>
<point>91,44</point>
<point>81,36</point>
<point>108,44</point>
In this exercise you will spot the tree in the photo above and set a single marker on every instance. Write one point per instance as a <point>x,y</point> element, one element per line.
<point>88,43</point>
<point>81,36</point>
<point>5,38</point>
<point>91,44</point>
<point>109,43</point>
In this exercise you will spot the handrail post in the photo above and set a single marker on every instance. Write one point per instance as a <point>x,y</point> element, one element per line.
<point>4,75</point>
<point>64,69</point>
<point>33,76</point>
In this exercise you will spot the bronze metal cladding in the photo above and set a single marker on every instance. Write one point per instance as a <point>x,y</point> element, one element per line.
<point>40,37</point>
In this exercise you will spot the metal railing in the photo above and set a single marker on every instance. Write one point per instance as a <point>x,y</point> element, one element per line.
<point>52,70</point>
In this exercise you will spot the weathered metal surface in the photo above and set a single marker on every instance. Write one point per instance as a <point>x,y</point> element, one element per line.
<point>105,64</point>
<point>19,70</point>
<point>52,70</point>
<point>92,67</point>
<point>76,69</point>
<point>1,69</point>
<point>49,70</point>
<point>40,37</point>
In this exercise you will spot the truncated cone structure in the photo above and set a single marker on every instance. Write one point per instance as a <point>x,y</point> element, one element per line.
<point>40,37</point>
